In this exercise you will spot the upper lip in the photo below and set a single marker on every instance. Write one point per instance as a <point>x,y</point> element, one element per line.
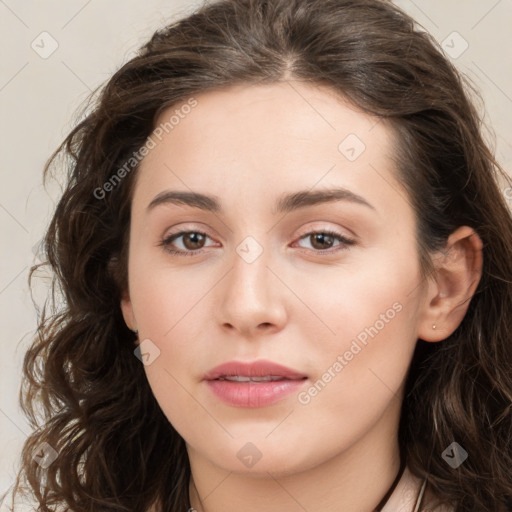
<point>259,368</point>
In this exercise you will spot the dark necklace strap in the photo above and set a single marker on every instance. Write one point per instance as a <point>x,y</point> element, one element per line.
<point>386,497</point>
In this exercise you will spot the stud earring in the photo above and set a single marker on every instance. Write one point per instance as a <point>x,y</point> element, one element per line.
<point>434,326</point>
<point>136,331</point>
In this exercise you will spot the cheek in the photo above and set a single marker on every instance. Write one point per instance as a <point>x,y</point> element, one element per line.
<point>169,305</point>
<point>174,395</point>
<point>362,335</point>
<point>344,303</point>
<point>169,311</point>
<point>164,297</point>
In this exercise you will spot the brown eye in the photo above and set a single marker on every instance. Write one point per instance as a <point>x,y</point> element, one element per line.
<point>324,241</point>
<point>321,240</point>
<point>191,242</point>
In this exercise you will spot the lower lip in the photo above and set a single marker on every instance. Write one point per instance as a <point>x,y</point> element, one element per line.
<point>254,394</point>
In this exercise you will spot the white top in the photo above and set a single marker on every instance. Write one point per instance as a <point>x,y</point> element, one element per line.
<point>410,496</point>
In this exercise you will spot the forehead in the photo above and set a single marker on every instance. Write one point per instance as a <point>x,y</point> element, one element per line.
<point>256,138</point>
<point>290,110</point>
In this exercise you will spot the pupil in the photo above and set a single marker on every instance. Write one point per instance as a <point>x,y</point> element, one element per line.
<point>321,237</point>
<point>195,237</point>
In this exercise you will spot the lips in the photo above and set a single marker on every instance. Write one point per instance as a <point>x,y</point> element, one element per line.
<point>256,384</point>
<point>256,371</point>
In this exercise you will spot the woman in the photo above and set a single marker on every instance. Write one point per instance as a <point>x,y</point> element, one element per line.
<point>286,271</point>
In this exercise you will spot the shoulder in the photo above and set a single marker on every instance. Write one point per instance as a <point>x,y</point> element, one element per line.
<point>410,492</point>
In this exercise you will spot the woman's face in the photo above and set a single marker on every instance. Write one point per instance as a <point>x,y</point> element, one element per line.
<point>257,277</point>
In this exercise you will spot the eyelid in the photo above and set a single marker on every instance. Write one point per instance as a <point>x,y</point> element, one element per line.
<point>319,228</point>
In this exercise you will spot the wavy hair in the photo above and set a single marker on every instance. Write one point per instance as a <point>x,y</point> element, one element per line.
<point>85,393</point>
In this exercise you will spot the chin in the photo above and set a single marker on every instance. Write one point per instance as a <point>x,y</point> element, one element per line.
<point>258,459</point>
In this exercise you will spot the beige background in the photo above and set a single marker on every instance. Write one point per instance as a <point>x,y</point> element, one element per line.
<point>39,95</point>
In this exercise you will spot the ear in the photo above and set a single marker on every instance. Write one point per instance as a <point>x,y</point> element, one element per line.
<point>127,310</point>
<point>452,285</point>
<point>118,273</point>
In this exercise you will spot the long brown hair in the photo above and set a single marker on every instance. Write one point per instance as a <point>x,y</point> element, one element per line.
<point>86,394</point>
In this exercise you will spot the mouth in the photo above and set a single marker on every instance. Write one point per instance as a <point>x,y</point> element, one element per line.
<point>245,378</point>
<point>253,371</point>
<point>253,384</point>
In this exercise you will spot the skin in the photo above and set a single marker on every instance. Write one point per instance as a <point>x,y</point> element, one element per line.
<point>248,145</point>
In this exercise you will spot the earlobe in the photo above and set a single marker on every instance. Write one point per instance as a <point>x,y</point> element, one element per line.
<point>452,286</point>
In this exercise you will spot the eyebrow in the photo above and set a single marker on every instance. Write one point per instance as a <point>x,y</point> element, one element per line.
<point>286,203</point>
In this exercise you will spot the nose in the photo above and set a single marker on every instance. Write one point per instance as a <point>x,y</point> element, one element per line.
<point>251,298</point>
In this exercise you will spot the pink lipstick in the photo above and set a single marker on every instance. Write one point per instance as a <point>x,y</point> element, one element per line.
<point>254,384</point>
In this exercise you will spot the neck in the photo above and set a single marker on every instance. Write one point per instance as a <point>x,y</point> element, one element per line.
<point>352,480</point>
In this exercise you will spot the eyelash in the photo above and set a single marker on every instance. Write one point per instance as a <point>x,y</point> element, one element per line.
<point>165,243</point>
